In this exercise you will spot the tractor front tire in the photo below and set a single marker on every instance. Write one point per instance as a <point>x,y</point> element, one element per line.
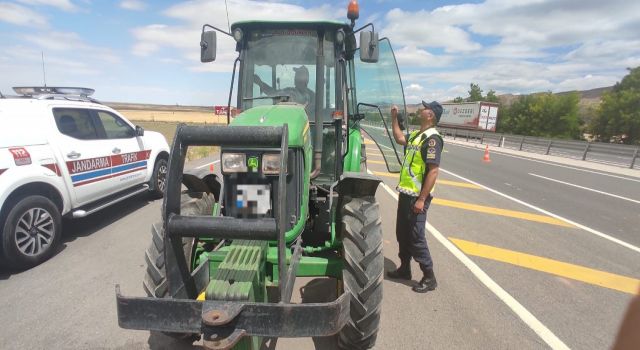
<point>155,279</point>
<point>362,274</point>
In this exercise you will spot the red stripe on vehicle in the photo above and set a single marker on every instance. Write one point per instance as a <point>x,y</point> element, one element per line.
<point>84,165</point>
<point>53,167</point>
<point>126,158</point>
<point>129,171</point>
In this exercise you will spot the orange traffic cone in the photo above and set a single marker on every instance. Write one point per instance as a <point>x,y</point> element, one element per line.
<point>486,158</point>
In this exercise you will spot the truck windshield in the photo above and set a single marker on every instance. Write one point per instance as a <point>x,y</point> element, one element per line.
<point>282,64</point>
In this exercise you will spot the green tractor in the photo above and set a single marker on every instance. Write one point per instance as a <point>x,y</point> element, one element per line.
<point>294,198</point>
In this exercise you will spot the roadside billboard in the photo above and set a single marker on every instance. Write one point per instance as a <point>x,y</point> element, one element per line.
<point>470,115</point>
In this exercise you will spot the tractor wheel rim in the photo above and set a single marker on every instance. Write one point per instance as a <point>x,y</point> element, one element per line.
<point>34,232</point>
<point>162,176</point>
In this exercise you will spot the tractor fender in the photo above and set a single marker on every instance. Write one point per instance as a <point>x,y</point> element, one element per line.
<point>356,184</point>
<point>202,180</point>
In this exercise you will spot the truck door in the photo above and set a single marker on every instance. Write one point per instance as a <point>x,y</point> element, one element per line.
<point>86,156</point>
<point>379,84</point>
<point>127,151</point>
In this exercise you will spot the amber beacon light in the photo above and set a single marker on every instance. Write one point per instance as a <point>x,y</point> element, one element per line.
<point>353,11</point>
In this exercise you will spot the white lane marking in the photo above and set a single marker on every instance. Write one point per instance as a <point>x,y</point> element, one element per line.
<point>527,317</point>
<point>586,188</point>
<point>204,165</point>
<point>551,163</point>
<point>588,229</point>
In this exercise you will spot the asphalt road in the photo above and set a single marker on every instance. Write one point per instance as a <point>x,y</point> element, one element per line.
<point>524,259</point>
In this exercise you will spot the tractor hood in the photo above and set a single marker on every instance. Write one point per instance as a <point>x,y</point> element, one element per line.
<point>277,115</point>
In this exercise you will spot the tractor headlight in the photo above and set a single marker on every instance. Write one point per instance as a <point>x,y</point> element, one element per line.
<point>234,163</point>
<point>271,164</point>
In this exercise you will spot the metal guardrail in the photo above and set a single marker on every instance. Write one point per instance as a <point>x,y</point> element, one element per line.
<point>607,153</point>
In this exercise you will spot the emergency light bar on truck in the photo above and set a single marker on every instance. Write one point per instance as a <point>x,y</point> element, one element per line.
<point>53,92</point>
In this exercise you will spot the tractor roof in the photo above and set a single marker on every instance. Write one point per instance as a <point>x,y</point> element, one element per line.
<point>253,25</point>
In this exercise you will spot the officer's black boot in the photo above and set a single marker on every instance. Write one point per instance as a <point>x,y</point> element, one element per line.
<point>427,283</point>
<point>401,273</point>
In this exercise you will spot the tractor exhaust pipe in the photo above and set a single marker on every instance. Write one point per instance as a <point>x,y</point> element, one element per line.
<point>317,144</point>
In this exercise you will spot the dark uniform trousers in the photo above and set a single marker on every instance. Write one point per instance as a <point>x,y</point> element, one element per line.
<point>410,232</point>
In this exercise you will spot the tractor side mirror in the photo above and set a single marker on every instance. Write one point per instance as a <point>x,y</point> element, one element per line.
<point>208,46</point>
<point>369,50</point>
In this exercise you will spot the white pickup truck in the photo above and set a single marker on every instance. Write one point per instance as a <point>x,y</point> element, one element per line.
<point>64,154</point>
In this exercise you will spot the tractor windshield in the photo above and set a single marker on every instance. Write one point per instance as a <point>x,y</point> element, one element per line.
<point>281,65</point>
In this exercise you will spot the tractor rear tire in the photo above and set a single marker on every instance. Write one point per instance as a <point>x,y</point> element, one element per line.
<point>155,279</point>
<point>362,274</point>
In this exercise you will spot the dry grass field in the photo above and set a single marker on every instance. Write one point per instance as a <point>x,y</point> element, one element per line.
<point>165,118</point>
<point>173,116</point>
<point>165,121</point>
<point>168,129</point>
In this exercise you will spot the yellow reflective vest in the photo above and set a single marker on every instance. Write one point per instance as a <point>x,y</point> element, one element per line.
<point>413,166</point>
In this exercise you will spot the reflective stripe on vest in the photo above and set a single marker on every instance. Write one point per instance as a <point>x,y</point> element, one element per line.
<point>413,167</point>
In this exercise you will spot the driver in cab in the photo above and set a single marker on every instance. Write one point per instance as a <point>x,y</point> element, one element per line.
<point>300,93</point>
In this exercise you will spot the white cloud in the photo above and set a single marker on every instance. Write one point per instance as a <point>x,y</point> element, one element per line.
<point>525,46</point>
<point>64,5</point>
<point>412,56</point>
<point>20,15</point>
<point>185,36</point>
<point>133,5</point>
<point>414,88</point>
<point>70,44</point>
<point>424,29</point>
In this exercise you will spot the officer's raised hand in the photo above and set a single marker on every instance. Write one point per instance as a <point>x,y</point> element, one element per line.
<point>397,132</point>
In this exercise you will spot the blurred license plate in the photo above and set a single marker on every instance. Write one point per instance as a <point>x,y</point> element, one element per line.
<point>253,200</point>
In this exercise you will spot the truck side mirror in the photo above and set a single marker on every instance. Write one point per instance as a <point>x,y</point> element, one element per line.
<point>369,50</point>
<point>208,46</point>
<point>139,131</point>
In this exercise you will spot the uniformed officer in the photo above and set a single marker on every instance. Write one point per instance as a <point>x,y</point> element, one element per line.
<point>417,179</point>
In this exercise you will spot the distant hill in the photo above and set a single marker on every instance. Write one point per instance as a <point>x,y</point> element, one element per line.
<point>587,97</point>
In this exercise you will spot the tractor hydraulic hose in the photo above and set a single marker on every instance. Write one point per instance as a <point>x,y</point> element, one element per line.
<point>317,144</point>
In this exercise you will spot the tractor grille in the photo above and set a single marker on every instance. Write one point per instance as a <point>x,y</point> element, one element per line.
<point>255,195</point>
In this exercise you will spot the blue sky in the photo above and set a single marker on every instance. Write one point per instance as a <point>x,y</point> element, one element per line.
<point>147,51</point>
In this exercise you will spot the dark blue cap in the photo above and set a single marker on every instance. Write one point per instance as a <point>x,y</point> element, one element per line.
<point>435,107</point>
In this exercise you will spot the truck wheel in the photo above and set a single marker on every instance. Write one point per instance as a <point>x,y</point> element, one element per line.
<point>362,273</point>
<point>158,180</point>
<point>155,279</point>
<point>31,232</point>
